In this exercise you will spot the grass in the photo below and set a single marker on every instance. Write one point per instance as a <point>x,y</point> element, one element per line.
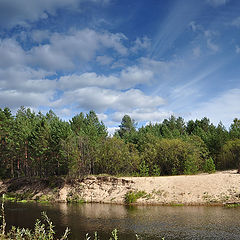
<point>132,197</point>
<point>232,205</point>
<point>74,198</point>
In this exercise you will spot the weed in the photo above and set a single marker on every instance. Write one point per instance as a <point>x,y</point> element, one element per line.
<point>74,198</point>
<point>132,197</point>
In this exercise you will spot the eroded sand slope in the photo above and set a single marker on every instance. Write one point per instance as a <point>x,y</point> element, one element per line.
<point>218,188</point>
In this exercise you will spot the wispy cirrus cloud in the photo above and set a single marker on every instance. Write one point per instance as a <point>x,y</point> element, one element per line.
<point>217,3</point>
<point>14,12</point>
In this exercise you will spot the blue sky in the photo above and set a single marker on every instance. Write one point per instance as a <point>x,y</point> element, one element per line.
<point>146,58</point>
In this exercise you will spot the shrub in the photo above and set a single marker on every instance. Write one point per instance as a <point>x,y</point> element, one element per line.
<point>132,197</point>
<point>190,166</point>
<point>143,169</point>
<point>209,166</point>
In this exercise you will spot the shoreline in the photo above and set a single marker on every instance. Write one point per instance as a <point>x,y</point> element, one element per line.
<point>217,189</point>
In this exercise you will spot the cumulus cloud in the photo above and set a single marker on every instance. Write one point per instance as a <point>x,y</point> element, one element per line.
<point>39,36</point>
<point>14,99</point>
<point>20,85</point>
<point>66,51</point>
<point>11,53</point>
<point>127,78</point>
<point>104,60</point>
<point>144,115</point>
<point>25,78</point>
<point>101,99</point>
<point>88,79</point>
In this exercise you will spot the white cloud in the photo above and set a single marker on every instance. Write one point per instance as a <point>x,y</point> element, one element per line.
<point>134,75</point>
<point>236,22</point>
<point>217,3</point>
<point>112,130</point>
<point>197,51</point>
<point>15,12</point>
<point>103,99</point>
<point>11,53</point>
<point>212,46</point>
<point>237,49</point>
<point>144,115</point>
<point>40,35</point>
<point>127,78</point>
<point>195,26</point>
<point>102,116</point>
<point>14,99</point>
<point>209,33</point>
<point>65,51</point>
<point>224,107</point>
<point>141,44</point>
<point>104,60</point>
<point>20,85</point>
<point>25,78</point>
<point>88,79</point>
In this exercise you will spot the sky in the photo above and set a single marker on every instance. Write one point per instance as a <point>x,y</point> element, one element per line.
<point>149,59</point>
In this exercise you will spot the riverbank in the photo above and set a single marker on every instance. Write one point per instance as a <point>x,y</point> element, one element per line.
<point>217,188</point>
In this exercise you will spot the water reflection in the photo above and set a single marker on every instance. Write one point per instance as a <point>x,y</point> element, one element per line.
<point>150,222</point>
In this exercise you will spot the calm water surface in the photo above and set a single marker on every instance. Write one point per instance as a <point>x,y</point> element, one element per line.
<point>150,222</point>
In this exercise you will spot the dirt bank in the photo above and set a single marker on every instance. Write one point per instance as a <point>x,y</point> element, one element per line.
<point>218,188</point>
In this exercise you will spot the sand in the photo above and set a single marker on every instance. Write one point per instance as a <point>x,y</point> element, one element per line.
<point>202,189</point>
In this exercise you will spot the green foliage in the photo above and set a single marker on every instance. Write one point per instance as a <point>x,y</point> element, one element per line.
<point>235,129</point>
<point>209,166</point>
<point>116,157</point>
<point>190,165</point>
<point>127,127</point>
<point>131,197</point>
<point>143,169</point>
<point>38,145</point>
<point>229,157</point>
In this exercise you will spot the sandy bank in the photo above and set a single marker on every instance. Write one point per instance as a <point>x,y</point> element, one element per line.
<point>217,188</point>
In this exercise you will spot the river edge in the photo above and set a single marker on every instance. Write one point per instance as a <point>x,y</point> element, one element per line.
<point>215,189</point>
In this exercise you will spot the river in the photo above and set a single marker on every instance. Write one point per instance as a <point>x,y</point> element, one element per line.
<point>149,222</point>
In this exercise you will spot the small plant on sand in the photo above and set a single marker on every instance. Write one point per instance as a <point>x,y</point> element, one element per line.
<point>132,197</point>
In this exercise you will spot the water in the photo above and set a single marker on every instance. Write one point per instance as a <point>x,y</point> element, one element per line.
<point>149,222</point>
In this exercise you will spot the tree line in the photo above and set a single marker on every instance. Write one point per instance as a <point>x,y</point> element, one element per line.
<point>38,145</point>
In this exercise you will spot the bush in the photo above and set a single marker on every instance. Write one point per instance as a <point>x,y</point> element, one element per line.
<point>117,157</point>
<point>229,156</point>
<point>143,169</point>
<point>190,166</point>
<point>209,166</point>
<point>132,197</point>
